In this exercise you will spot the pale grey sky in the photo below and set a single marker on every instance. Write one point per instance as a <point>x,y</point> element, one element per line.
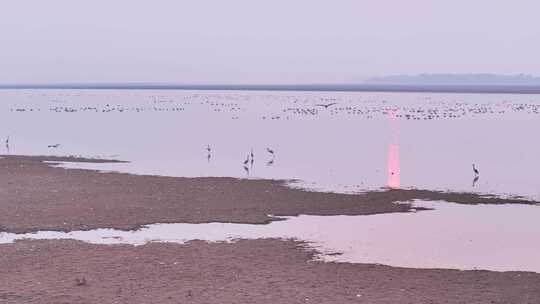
<point>274,41</point>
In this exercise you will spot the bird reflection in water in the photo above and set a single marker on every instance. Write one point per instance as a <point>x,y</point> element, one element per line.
<point>252,160</point>
<point>7,145</point>
<point>475,180</point>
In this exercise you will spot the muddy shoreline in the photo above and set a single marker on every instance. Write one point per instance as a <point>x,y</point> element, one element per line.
<point>37,196</point>
<point>255,271</point>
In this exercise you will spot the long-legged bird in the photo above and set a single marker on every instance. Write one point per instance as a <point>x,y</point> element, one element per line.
<point>475,170</point>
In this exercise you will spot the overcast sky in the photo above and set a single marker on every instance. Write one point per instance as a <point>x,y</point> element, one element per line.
<point>273,41</point>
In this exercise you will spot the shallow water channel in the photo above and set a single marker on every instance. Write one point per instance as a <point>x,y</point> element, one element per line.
<point>490,237</point>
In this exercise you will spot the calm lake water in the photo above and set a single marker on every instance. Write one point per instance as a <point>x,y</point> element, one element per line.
<point>347,142</point>
<point>365,141</point>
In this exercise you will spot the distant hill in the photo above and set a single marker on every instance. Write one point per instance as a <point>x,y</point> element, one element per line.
<point>449,83</point>
<point>457,79</point>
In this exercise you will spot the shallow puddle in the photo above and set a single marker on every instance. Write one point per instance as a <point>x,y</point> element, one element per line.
<point>450,236</point>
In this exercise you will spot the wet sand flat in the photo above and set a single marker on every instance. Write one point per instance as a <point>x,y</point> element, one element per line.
<point>37,196</point>
<point>256,271</point>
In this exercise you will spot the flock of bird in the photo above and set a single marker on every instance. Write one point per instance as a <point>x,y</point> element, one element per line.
<point>278,107</point>
<point>274,107</point>
<point>250,159</point>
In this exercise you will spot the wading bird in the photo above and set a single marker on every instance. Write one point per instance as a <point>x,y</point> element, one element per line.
<point>475,170</point>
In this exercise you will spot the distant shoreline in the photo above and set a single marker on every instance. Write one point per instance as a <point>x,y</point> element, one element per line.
<point>488,89</point>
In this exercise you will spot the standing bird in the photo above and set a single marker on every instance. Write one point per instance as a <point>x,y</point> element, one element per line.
<point>476,173</point>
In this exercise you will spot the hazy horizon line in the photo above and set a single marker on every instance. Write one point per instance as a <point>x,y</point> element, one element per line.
<point>331,87</point>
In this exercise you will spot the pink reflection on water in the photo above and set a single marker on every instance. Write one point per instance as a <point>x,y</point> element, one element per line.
<point>394,179</point>
<point>393,166</point>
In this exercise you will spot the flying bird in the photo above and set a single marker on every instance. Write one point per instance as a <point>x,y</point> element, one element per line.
<point>208,149</point>
<point>270,151</point>
<point>247,160</point>
<point>326,105</point>
<point>53,146</point>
